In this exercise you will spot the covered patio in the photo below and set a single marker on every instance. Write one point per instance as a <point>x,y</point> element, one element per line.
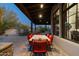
<point>22,48</point>
<point>45,14</point>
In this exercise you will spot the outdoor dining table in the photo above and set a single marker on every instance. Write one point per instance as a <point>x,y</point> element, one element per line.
<point>39,37</point>
<point>39,40</point>
<point>39,44</point>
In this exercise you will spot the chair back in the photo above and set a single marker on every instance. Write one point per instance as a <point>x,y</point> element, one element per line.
<point>29,36</point>
<point>47,35</point>
<point>39,46</point>
<point>51,39</point>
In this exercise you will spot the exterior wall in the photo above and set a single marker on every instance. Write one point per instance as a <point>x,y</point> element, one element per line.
<point>62,19</point>
<point>54,9</point>
<point>52,21</point>
<point>69,47</point>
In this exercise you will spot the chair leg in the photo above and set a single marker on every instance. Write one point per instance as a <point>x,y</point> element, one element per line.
<point>46,53</point>
<point>31,54</point>
<point>35,54</point>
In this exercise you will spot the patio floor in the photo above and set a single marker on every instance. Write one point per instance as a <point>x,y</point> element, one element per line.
<point>20,45</point>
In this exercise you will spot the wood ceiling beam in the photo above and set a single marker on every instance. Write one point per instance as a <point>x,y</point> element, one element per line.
<point>23,9</point>
<point>43,13</point>
<point>33,6</point>
<point>40,10</point>
<point>26,11</point>
<point>41,18</point>
<point>36,5</point>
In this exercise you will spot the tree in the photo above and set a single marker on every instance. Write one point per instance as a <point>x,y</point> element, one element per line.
<point>8,19</point>
<point>1,21</point>
<point>23,29</point>
<point>22,26</point>
<point>11,19</point>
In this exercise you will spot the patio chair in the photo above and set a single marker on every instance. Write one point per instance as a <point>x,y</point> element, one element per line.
<point>39,48</point>
<point>30,43</point>
<point>50,43</point>
<point>29,36</point>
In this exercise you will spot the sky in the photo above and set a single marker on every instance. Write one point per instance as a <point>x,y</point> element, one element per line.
<point>22,18</point>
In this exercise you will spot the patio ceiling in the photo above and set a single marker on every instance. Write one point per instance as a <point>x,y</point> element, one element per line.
<point>38,13</point>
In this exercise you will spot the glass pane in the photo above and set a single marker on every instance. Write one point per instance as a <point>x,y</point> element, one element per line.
<point>71,30</point>
<point>67,14</point>
<point>69,4</point>
<point>78,7</point>
<point>67,20</point>
<point>72,19</point>
<point>78,15</point>
<point>72,10</point>
<point>72,27</point>
<point>77,23</point>
<point>57,13</point>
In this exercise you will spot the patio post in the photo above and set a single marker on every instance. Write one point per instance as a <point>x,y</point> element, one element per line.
<point>31,27</point>
<point>35,27</point>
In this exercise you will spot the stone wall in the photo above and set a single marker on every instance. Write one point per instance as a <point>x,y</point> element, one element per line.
<point>6,49</point>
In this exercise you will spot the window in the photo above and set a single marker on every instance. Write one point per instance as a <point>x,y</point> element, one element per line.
<point>72,23</point>
<point>71,16</point>
<point>69,4</point>
<point>78,18</point>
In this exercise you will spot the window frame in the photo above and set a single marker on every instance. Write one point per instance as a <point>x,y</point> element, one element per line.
<point>76,18</point>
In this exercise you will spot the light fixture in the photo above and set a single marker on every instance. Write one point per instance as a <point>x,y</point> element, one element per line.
<point>41,6</point>
<point>47,22</point>
<point>40,16</point>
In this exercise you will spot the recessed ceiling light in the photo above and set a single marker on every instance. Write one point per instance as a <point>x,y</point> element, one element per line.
<point>40,16</point>
<point>47,22</point>
<point>41,6</point>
